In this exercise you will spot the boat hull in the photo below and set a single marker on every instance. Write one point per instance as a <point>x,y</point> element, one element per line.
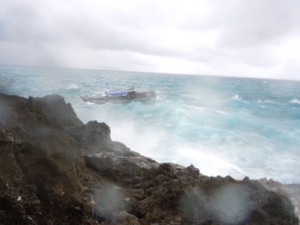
<point>140,96</point>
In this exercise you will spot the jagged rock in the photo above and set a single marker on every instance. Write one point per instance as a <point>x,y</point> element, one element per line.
<point>6,137</point>
<point>290,190</point>
<point>124,169</point>
<point>56,170</point>
<point>125,218</point>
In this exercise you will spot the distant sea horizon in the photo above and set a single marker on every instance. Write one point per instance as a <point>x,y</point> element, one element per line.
<point>115,69</point>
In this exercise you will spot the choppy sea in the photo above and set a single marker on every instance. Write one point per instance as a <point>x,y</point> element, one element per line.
<point>223,126</point>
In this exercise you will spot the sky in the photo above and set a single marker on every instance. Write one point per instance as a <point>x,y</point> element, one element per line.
<point>245,38</point>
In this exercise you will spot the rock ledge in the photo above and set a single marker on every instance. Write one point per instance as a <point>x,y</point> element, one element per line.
<point>56,170</point>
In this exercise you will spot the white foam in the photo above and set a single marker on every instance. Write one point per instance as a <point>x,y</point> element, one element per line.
<point>265,101</point>
<point>72,86</point>
<point>208,161</point>
<point>295,101</point>
<point>236,97</point>
<point>141,139</point>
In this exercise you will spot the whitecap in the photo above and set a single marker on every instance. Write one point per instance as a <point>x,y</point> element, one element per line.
<point>72,86</point>
<point>295,101</point>
<point>264,101</point>
<point>236,97</point>
<point>209,162</point>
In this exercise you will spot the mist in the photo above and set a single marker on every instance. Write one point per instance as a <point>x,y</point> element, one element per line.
<point>109,199</point>
<point>226,204</point>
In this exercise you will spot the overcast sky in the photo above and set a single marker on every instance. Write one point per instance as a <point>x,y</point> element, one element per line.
<point>248,38</point>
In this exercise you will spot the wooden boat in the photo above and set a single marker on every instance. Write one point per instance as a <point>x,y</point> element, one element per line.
<point>122,96</point>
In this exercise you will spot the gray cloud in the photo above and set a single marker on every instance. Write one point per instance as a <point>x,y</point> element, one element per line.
<point>213,37</point>
<point>248,23</point>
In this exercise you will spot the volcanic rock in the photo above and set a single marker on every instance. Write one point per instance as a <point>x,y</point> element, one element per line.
<point>56,170</point>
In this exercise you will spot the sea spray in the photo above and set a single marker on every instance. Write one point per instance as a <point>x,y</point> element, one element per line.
<point>224,126</point>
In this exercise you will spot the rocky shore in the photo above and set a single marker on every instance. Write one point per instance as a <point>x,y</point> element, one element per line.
<point>56,170</point>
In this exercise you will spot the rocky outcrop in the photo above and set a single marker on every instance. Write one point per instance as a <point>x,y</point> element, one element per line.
<point>56,170</point>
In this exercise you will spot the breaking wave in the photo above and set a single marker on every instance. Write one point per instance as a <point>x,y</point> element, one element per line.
<point>223,126</point>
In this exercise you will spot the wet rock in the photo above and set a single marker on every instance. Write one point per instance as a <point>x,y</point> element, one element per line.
<point>292,191</point>
<point>125,218</point>
<point>6,137</point>
<point>56,170</point>
<point>124,169</point>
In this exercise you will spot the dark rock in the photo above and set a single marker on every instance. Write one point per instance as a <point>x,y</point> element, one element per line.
<point>124,218</point>
<point>56,170</point>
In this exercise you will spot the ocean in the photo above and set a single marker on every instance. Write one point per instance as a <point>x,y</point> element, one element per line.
<point>223,126</point>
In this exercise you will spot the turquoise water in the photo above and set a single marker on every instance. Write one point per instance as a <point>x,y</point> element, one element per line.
<point>224,126</point>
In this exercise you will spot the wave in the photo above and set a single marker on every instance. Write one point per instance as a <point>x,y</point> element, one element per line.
<point>223,128</point>
<point>72,86</point>
<point>236,97</point>
<point>202,109</point>
<point>295,101</point>
<point>265,101</point>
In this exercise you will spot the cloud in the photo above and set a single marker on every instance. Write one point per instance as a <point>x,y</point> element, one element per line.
<point>234,37</point>
<point>250,23</point>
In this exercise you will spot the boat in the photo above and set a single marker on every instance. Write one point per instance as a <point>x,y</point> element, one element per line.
<point>122,96</point>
